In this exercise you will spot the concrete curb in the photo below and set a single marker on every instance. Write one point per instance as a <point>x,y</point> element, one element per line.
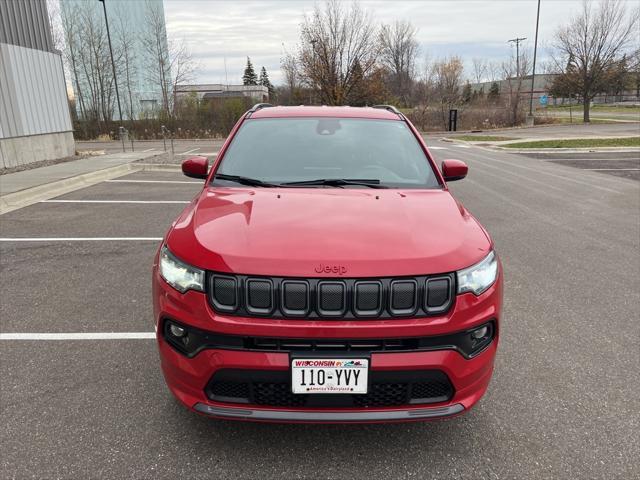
<point>29,196</point>
<point>566,150</point>
<point>157,167</point>
<point>502,147</point>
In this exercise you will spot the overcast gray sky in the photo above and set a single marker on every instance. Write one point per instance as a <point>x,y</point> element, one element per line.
<point>262,30</point>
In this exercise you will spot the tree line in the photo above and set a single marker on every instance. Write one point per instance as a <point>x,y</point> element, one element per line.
<point>148,65</point>
<point>344,58</point>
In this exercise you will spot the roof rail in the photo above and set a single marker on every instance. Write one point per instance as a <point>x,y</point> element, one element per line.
<point>259,106</point>
<point>390,108</point>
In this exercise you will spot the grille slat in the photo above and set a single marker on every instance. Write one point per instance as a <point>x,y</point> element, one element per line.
<point>311,298</point>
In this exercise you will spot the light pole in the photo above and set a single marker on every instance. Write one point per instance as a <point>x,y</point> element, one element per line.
<point>113,66</point>
<point>313,59</point>
<point>535,51</point>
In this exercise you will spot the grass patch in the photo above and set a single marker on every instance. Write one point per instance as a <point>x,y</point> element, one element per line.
<point>556,120</point>
<point>579,143</point>
<point>596,108</point>
<point>482,138</point>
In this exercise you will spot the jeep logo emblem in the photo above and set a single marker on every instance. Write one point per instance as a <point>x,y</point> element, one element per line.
<point>339,269</point>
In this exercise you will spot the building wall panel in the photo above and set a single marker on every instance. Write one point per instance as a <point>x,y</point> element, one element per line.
<point>25,23</point>
<point>33,97</point>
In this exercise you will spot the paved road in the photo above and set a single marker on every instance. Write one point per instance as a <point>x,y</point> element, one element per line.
<point>563,131</point>
<point>621,164</point>
<point>563,403</point>
<point>180,147</point>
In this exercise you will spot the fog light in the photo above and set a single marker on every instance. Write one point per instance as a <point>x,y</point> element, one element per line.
<point>177,331</point>
<point>479,333</point>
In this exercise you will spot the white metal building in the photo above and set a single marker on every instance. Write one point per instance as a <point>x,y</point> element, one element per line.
<point>258,93</point>
<point>34,112</point>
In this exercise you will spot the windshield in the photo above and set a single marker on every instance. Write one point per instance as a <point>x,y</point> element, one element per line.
<point>344,152</point>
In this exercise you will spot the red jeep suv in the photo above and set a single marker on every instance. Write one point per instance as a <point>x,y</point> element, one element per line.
<point>325,273</point>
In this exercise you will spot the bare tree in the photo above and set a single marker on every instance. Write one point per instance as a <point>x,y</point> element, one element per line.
<point>55,25</point>
<point>169,60</point>
<point>398,52</point>
<point>515,70</point>
<point>333,41</point>
<point>182,67</point>
<point>291,70</point>
<point>590,48</point>
<point>494,71</point>
<point>480,66</point>
<point>69,27</point>
<point>126,40</point>
<point>154,42</point>
<point>95,73</point>
<point>446,76</point>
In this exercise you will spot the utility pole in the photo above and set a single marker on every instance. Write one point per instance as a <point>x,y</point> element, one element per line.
<point>517,41</point>
<point>535,51</point>
<point>113,66</point>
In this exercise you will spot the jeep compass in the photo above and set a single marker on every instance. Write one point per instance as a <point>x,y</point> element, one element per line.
<point>325,273</point>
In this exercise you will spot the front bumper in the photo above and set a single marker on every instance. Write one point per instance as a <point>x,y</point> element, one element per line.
<point>393,415</point>
<point>187,378</point>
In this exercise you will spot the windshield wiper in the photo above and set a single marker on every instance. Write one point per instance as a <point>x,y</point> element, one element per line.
<point>338,182</point>
<point>253,182</point>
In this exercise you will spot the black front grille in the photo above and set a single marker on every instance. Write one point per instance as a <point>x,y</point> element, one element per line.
<point>273,388</point>
<point>275,395</point>
<point>309,298</point>
<point>384,395</point>
<point>433,389</point>
<point>230,390</point>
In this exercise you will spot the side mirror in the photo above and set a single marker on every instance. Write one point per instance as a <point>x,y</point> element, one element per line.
<point>196,167</point>
<point>454,170</point>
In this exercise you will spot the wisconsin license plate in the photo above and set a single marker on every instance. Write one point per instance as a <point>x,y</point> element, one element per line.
<point>325,375</point>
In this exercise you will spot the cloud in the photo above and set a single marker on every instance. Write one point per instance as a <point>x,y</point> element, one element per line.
<point>233,30</point>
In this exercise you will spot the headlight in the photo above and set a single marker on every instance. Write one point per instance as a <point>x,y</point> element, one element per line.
<point>480,276</point>
<point>178,274</point>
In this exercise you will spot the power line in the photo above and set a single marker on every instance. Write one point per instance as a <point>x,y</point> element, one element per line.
<point>517,41</point>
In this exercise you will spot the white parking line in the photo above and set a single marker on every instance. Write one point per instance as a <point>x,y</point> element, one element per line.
<point>590,159</point>
<point>437,148</point>
<point>117,201</point>
<point>81,239</point>
<point>148,150</point>
<point>461,146</point>
<point>189,151</point>
<point>201,154</point>
<point>612,169</point>
<point>151,181</point>
<point>79,336</point>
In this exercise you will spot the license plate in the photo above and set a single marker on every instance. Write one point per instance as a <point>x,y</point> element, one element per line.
<point>324,375</point>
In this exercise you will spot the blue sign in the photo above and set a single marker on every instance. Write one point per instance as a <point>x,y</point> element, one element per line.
<point>544,100</point>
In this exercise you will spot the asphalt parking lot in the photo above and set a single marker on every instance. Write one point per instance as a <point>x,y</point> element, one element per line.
<point>563,402</point>
<point>621,164</point>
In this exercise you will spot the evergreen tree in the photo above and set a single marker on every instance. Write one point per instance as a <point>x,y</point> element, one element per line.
<point>467,92</point>
<point>264,81</point>
<point>249,77</point>
<point>494,91</point>
<point>358,95</point>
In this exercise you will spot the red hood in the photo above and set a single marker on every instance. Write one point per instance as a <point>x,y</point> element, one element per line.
<point>291,232</point>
